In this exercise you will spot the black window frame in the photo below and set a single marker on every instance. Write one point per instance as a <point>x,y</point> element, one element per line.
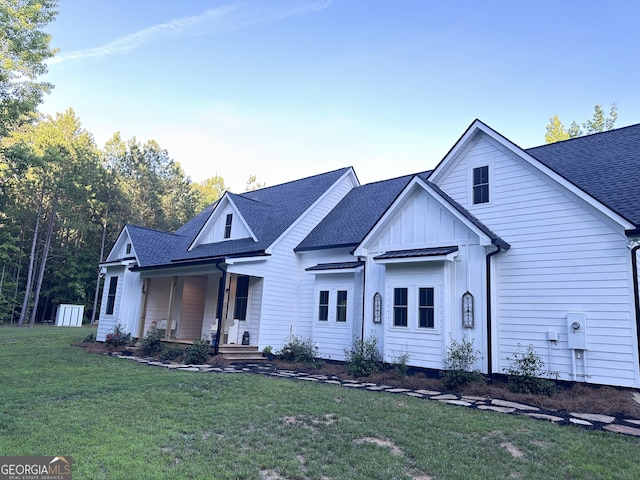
<point>227,225</point>
<point>400,307</point>
<point>323,306</point>
<point>481,185</point>
<point>426,308</point>
<point>342,299</point>
<point>242,298</point>
<point>111,296</point>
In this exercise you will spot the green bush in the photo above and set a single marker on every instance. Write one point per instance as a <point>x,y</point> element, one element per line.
<point>89,338</point>
<point>118,338</point>
<point>152,344</point>
<point>196,353</point>
<point>171,353</point>
<point>364,358</point>
<point>526,372</point>
<point>458,364</point>
<point>399,364</point>
<point>299,350</point>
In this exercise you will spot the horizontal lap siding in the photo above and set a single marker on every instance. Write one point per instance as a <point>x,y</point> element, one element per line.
<point>283,311</point>
<point>564,257</point>
<point>192,313</point>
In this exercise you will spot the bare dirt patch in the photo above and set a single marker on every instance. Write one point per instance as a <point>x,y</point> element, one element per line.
<point>380,442</point>
<point>512,449</point>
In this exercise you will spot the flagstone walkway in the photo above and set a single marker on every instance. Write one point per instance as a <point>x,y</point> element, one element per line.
<point>627,426</point>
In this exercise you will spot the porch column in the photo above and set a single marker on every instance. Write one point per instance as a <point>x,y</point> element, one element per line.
<point>145,297</point>
<point>174,281</point>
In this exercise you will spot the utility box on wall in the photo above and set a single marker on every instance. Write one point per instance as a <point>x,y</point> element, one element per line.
<point>69,315</point>
<point>577,331</point>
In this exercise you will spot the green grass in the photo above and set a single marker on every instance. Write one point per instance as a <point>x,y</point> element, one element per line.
<point>122,420</point>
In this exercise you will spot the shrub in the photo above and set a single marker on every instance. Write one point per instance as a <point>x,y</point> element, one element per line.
<point>364,358</point>
<point>171,353</point>
<point>118,338</point>
<point>89,338</point>
<point>152,343</point>
<point>399,364</point>
<point>196,353</point>
<point>458,365</point>
<point>299,350</point>
<point>526,372</point>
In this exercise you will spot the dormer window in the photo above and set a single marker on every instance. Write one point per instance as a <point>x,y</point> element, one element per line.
<point>480,185</point>
<point>227,225</point>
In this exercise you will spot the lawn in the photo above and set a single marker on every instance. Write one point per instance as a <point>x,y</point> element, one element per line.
<point>121,420</point>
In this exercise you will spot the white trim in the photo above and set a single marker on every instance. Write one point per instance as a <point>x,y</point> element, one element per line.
<point>477,128</point>
<point>238,260</point>
<point>336,270</point>
<point>215,215</point>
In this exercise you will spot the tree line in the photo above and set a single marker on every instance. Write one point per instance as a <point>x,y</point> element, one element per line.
<point>63,200</point>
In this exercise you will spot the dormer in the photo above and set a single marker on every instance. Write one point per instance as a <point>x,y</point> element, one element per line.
<point>225,223</point>
<point>123,248</point>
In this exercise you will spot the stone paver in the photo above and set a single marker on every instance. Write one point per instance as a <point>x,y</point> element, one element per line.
<point>632,420</point>
<point>429,392</point>
<point>496,409</point>
<point>594,417</point>
<point>517,406</point>
<point>461,403</point>
<point>623,429</point>
<point>544,416</point>
<point>397,390</point>
<point>446,396</point>
<point>577,421</point>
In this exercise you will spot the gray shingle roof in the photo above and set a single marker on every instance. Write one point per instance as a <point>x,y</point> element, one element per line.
<point>417,252</point>
<point>604,165</point>
<point>356,214</point>
<point>268,212</point>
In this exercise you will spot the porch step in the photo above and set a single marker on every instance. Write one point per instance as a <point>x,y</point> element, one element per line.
<point>241,353</point>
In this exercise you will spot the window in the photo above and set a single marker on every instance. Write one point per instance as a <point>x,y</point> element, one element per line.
<point>400,307</point>
<point>128,249</point>
<point>426,308</point>
<point>111,297</point>
<point>323,306</point>
<point>242,297</point>
<point>341,306</point>
<point>480,185</point>
<point>227,225</point>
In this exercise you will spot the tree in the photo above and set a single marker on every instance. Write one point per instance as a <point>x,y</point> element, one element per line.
<point>254,184</point>
<point>24,48</point>
<point>557,132</point>
<point>210,190</point>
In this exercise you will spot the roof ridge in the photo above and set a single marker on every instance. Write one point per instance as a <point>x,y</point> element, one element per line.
<point>294,181</point>
<point>153,230</point>
<point>583,137</point>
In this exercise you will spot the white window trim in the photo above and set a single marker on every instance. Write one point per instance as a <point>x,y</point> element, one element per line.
<point>413,304</point>
<point>333,300</point>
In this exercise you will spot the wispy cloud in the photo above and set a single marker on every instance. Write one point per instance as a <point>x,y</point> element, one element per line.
<point>210,22</point>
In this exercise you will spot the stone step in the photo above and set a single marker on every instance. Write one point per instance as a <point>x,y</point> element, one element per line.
<point>233,349</point>
<point>244,357</point>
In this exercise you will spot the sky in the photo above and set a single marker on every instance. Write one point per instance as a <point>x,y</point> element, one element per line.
<point>284,89</point>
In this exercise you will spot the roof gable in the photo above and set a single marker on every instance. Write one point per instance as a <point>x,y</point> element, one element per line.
<point>590,196</point>
<point>415,192</point>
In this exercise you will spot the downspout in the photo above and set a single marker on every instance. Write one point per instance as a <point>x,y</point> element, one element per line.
<point>636,290</point>
<point>489,320</point>
<point>364,294</point>
<point>220,305</point>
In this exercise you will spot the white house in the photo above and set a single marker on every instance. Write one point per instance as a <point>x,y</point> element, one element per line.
<point>499,245</point>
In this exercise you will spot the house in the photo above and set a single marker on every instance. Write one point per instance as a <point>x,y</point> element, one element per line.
<point>498,245</point>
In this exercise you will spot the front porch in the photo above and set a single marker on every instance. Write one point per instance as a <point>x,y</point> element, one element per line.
<point>186,308</point>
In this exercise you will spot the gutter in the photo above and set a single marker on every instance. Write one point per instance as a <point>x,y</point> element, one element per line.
<point>223,281</point>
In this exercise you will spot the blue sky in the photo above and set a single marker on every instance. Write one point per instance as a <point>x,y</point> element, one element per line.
<point>288,88</point>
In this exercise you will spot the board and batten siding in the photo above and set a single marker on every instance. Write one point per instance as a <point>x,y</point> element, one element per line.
<point>282,273</point>
<point>423,221</point>
<point>565,257</point>
<point>126,307</point>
